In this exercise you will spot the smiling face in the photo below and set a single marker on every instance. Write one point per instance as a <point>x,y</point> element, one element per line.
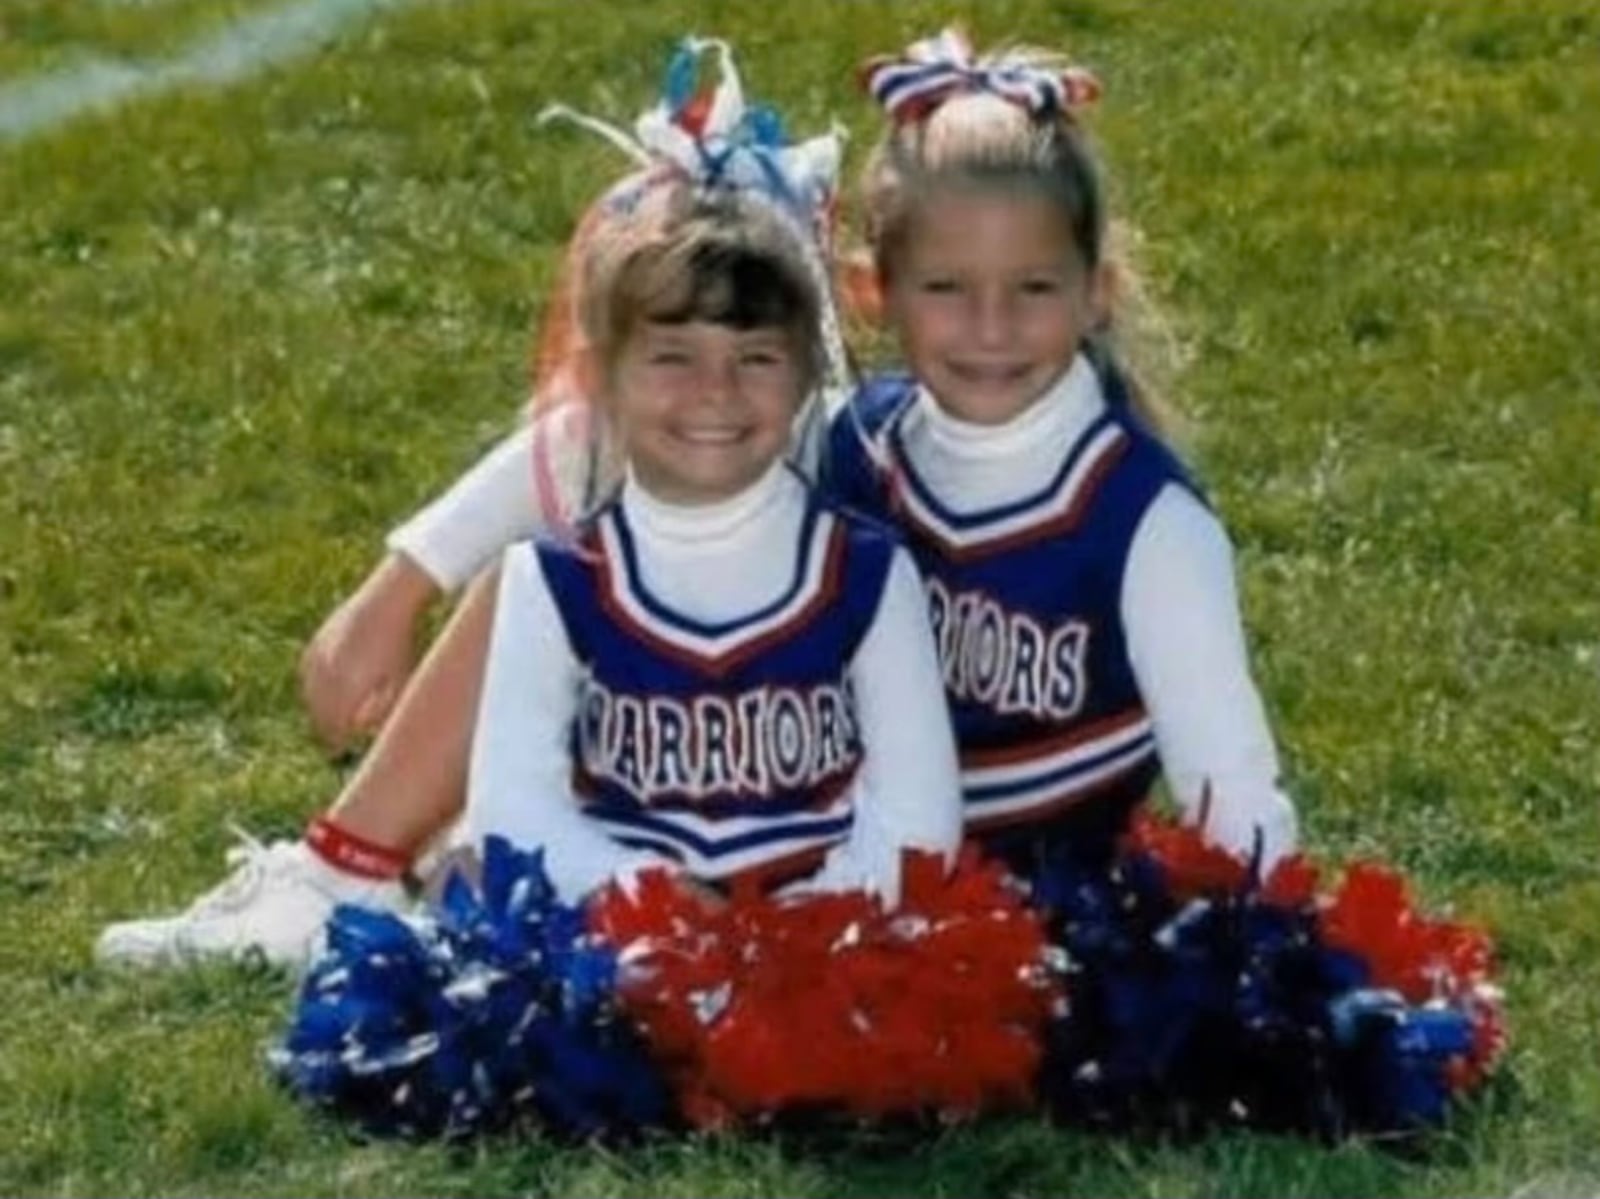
<point>704,335</point>
<point>702,410</point>
<point>990,298</point>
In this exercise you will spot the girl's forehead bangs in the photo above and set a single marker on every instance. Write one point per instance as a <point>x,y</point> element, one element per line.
<point>737,286</point>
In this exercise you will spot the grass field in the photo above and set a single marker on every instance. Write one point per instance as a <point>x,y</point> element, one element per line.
<point>249,324</point>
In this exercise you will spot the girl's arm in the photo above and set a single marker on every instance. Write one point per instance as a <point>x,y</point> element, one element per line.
<point>909,793</point>
<point>1180,607</point>
<point>520,780</point>
<point>354,667</point>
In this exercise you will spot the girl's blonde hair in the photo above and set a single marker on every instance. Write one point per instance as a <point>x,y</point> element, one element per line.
<point>979,139</point>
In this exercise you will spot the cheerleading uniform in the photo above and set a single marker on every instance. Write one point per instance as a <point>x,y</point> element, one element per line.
<point>739,689</point>
<point>1083,602</point>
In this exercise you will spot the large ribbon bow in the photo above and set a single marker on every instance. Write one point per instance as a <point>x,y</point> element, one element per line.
<point>933,70</point>
<point>715,138</point>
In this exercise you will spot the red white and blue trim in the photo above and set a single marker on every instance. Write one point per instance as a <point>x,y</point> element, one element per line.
<point>1054,509</point>
<point>717,648</point>
<point>1040,779</point>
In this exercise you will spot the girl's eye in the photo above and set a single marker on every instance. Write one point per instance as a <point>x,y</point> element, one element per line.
<point>937,286</point>
<point>669,358</point>
<point>761,358</point>
<point>1041,287</point>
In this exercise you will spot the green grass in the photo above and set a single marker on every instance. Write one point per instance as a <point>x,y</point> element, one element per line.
<point>247,329</point>
<point>36,34</point>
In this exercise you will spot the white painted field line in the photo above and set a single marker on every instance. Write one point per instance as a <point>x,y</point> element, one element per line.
<point>246,46</point>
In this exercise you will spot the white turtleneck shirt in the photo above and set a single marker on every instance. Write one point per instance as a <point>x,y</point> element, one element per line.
<point>712,564</point>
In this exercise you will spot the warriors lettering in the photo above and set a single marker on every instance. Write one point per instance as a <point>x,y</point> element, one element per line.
<point>757,742</point>
<point>1004,660</point>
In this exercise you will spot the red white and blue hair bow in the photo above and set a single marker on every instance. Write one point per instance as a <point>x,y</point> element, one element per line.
<point>714,137</point>
<point>931,71</point>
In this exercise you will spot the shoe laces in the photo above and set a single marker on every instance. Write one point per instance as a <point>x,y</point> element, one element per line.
<point>251,863</point>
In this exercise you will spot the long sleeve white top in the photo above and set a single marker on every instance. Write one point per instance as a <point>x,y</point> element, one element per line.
<point>1179,606</point>
<point>712,564</point>
<point>490,507</point>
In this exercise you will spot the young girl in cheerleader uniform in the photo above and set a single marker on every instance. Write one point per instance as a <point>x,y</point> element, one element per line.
<point>719,671</point>
<point>412,782</point>
<point>1080,586</point>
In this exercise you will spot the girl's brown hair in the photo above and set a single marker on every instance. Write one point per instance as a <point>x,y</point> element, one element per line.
<point>688,254</point>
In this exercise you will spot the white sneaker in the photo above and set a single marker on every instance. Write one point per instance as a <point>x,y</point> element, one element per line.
<point>273,905</point>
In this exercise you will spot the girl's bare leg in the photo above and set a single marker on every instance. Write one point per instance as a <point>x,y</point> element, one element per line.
<point>412,782</point>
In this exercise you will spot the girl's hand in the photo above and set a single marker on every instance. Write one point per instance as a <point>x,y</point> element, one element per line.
<point>353,670</point>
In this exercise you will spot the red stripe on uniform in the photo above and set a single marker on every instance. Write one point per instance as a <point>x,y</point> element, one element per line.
<point>1052,806</point>
<point>1011,755</point>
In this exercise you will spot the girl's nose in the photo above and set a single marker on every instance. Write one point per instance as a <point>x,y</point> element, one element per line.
<point>719,378</point>
<point>991,317</point>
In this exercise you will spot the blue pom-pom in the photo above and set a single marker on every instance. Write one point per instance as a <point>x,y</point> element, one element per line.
<point>1398,1056</point>
<point>497,1006</point>
<point>1228,1009</point>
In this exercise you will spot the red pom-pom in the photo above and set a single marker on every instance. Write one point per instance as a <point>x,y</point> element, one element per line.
<point>1292,883</point>
<point>831,1001</point>
<point>1372,916</point>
